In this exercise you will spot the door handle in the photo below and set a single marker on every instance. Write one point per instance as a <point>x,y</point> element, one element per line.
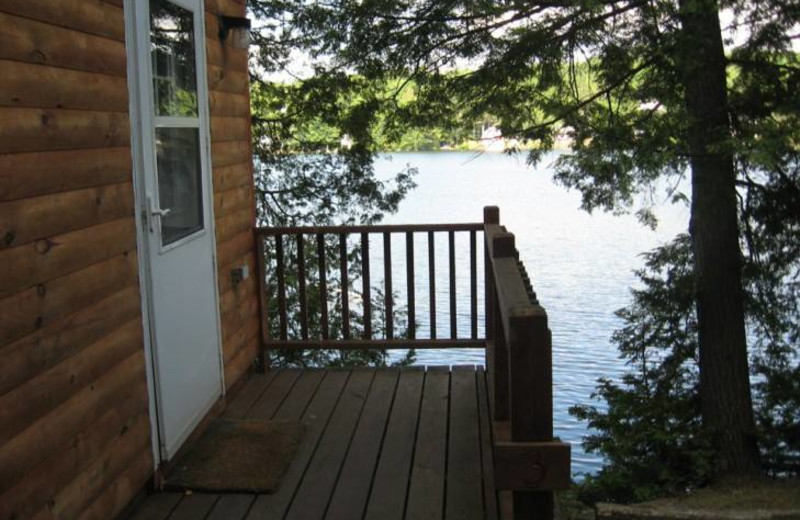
<point>155,211</point>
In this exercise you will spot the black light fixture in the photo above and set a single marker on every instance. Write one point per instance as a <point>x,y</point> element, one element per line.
<point>237,28</point>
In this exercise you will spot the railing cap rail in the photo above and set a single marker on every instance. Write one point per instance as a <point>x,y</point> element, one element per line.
<point>362,228</point>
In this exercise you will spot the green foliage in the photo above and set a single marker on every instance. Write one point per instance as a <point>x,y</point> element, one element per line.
<point>650,430</point>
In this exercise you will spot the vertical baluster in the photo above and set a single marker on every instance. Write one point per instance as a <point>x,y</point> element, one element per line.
<point>301,284</point>
<point>281,285</point>
<point>387,279</point>
<point>263,303</point>
<point>432,282</point>
<point>473,283</point>
<point>412,315</point>
<point>367,298</point>
<point>323,285</point>
<point>451,236</point>
<point>344,286</point>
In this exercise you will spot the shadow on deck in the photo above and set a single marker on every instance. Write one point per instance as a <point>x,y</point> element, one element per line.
<point>379,443</point>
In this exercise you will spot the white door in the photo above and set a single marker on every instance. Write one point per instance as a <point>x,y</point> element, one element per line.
<point>175,193</point>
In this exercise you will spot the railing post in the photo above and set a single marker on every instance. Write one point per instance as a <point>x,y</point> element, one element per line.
<point>531,396</point>
<point>491,216</point>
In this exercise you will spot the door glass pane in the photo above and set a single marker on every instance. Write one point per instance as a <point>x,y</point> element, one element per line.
<point>179,182</point>
<point>172,55</point>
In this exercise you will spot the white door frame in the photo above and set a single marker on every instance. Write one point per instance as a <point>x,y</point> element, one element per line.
<point>137,50</point>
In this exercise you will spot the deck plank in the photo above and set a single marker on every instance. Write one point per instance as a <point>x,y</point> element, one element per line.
<point>157,506</point>
<point>301,395</point>
<point>192,507</point>
<point>383,443</point>
<point>316,487</point>
<point>487,447</point>
<point>389,488</point>
<point>464,499</point>
<point>253,389</point>
<point>426,490</point>
<point>352,489</point>
<point>272,399</point>
<point>267,507</point>
<point>231,507</point>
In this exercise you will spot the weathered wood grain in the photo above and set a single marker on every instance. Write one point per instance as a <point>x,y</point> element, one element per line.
<point>428,474</point>
<point>57,342</point>
<point>234,176</point>
<point>228,153</point>
<point>90,483</point>
<point>229,104</point>
<point>464,490</point>
<point>27,40</point>
<point>37,396</point>
<point>24,85</point>
<point>42,483</point>
<point>234,200</point>
<point>54,257</point>
<point>234,223</point>
<point>221,79</point>
<point>91,17</point>
<point>55,430</point>
<point>27,175</point>
<point>387,498</point>
<point>40,129</point>
<point>35,308</point>
<point>349,499</point>
<point>224,129</point>
<point>314,491</point>
<point>25,220</point>
<point>119,491</point>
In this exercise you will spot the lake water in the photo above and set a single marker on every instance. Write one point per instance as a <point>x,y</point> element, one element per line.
<point>581,265</point>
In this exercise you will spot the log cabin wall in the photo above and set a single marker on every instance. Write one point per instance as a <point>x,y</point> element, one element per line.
<point>234,199</point>
<point>74,425</point>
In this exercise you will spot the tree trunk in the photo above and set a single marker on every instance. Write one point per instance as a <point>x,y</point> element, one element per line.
<point>726,403</point>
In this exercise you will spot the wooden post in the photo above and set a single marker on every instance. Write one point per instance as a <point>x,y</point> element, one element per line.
<point>531,396</point>
<point>491,216</point>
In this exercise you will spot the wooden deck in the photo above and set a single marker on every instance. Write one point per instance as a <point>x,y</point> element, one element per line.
<point>380,444</point>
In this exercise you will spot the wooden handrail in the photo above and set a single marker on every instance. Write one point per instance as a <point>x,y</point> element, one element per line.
<point>377,228</point>
<point>519,363</point>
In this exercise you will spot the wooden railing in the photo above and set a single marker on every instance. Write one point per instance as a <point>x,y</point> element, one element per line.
<point>332,242</point>
<point>528,462</point>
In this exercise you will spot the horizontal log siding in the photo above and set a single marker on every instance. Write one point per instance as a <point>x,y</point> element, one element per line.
<point>74,424</point>
<point>75,434</point>
<point>231,158</point>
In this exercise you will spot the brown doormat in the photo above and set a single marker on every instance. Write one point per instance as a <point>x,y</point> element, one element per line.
<point>245,456</point>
